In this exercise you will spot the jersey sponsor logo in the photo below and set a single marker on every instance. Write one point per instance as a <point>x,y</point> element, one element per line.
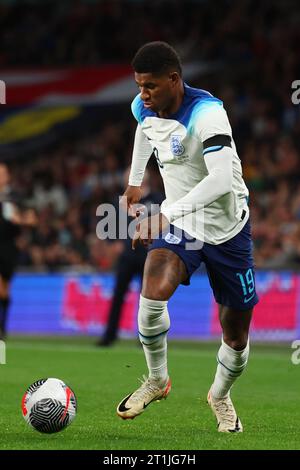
<point>172,239</point>
<point>177,148</point>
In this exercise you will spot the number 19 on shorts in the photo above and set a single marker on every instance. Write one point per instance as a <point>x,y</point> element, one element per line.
<point>248,285</point>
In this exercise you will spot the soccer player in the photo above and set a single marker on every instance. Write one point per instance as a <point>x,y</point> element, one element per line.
<point>12,217</point>
<point>206,201</point>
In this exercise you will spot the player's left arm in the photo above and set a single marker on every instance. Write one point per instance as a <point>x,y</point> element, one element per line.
<point>215,134</point>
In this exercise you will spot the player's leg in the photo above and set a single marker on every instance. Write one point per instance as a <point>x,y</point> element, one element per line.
<point>164,271</point>
<point>232,359</point>
<point>231,275</point>
<point>234,351</point>
<point>235,326</point>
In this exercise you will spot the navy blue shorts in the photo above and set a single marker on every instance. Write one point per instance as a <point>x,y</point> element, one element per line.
<point>229,265</point>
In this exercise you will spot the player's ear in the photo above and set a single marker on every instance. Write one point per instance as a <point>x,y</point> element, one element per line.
<point>174,78</point>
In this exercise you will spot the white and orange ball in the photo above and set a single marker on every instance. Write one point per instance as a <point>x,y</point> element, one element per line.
<point>49,405</point>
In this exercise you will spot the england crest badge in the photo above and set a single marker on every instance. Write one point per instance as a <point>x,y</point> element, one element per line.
<point>177,148</point>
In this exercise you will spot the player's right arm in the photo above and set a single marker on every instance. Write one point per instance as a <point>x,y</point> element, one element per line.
<point>141,153</point>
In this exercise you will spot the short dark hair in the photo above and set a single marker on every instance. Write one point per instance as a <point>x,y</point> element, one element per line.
<point>156,57</point>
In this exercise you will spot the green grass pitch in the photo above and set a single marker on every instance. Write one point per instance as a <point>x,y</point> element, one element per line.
<point>267,397</point>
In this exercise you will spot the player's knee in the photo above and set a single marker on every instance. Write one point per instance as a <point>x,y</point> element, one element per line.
<point>238,343</point>
<point>157,292</point>
<point>162,275</point>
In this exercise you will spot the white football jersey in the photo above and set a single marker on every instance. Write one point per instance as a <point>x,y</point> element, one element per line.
<point>177,143</point>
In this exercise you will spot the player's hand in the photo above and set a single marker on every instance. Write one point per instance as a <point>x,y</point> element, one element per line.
<point>131,196</point>
<point>148,229</point>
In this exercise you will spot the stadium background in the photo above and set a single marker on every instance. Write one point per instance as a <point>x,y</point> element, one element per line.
<point>66,132</point>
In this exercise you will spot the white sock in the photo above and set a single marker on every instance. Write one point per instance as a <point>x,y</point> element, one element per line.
<point>231,364</point>
<point>154,323</point>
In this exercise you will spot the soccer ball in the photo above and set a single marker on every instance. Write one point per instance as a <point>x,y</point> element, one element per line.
<point>49,405</point>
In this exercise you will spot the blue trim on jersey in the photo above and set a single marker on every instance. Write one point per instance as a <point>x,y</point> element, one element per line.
<point>214,148</point>
<point>200,109</point>
<point>195,102</point>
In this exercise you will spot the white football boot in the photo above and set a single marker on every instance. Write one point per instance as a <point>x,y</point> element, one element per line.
<point>223,409</point>
<point>135,403</point>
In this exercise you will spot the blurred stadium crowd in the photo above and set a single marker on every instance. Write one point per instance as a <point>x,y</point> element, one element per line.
<point>256,48</point>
